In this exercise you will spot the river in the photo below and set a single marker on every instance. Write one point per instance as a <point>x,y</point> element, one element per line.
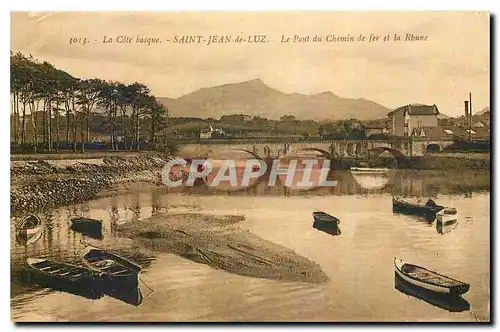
<point>359,261</point>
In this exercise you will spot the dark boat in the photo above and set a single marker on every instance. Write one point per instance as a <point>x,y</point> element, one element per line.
<point>63,276</point>
<point>429,280</point>
<point>87,226</point>
<point>116,271</point>
<point>325,218</point>
<point>29,226</point>
<point>447,302</point>
<point>406,206</point>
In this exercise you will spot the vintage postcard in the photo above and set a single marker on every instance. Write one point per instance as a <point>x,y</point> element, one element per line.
<point>250,166</point>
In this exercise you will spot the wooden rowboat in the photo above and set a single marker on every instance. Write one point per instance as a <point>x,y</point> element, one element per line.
<point>421,277</point>
<point>116,270</point>
<point>368,170</point>
<point>447,215</point>
<point>407,206</point>
<point>443,301</point>
<point>65,277</point>
<point>29,226</point>
<point>323,217</point>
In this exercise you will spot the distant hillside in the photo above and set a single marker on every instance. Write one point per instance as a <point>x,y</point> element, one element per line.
<point>257,99</point>
<point>484,111</point>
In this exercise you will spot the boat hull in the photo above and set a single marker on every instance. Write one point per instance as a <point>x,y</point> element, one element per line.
<point>429,212</point>
<point>420,284</point>
<point>457,289</point>
<point>92,257</point>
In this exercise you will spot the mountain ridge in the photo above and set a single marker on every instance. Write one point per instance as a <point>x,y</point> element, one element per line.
<point>255,98</point>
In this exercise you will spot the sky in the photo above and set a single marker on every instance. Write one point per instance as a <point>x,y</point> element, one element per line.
<point>453,60</point>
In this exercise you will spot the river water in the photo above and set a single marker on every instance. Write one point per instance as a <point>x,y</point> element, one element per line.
<point>359,261</point>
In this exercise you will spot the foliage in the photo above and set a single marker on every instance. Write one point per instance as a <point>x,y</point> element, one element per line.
<point>126,111</point>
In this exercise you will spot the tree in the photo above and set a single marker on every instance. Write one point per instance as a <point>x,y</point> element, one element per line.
<point>88,97</point>
<point>287,118</point>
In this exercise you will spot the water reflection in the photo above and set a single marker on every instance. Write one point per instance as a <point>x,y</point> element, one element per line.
<point>327,227</point>
<point>417,183</point>
<point>131,295</point>
<point>443,301</point>
<point>443,228</point>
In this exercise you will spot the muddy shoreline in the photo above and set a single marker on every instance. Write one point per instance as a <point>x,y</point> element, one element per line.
<point>43,185</point>
<point>220,243</point>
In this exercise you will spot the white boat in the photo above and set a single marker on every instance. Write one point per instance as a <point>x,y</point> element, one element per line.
<point>368,170</point>
<point>29,226</point>
<point>447,215</point>
<point>429,280</point>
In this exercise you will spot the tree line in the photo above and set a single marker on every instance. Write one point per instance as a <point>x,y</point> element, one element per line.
<point>44,96</point>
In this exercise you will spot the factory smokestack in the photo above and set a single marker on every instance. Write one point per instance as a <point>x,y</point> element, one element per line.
<point>466,118</point>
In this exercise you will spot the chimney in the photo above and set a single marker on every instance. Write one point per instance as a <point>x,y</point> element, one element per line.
<point>466,119</point>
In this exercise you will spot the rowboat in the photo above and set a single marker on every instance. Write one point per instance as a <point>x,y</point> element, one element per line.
<point>323,217</point>
<point>421,277</point>
<point>116,270</point>
<point>29,226</point>
<point>443,301</point>
<point>66,276</point>
<point>443,228</point>
<point>408,206</point>
<point>368,170</point>
<point>87,226</point>
<point>447,215</point>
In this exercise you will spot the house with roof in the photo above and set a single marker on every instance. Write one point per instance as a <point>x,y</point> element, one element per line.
<point>437,138</point>
<point>210,132</point>
<point>404,119</point>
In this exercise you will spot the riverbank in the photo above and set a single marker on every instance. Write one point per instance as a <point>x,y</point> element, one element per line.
<point>42,185</point>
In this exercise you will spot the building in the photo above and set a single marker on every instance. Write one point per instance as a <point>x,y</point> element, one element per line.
<point>210,132</point>
<point>437,138</point>
<point>404,119</point>
<point>371,130</point>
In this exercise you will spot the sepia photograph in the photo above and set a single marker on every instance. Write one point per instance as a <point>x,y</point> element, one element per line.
<point>270,166</point>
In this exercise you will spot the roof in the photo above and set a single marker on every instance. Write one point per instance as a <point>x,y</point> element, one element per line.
<point>417,109</point>
<point>449,132</point>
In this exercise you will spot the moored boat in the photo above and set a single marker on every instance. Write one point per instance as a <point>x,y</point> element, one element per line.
<point>323,217</point>
<point>447,215</point>
<point>368,170</point>
<point>116,270</point>
<point>29,226</point>
<point>59,275</point>
<point>443,301</point>
<point>408,206</point>
<point>432,281</point>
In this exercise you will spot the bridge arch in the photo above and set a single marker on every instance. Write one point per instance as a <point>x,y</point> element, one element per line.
<point>401,160</point>
<point>433,148</point>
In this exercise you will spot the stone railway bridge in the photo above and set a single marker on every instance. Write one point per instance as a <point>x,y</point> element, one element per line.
<point>281,147</point>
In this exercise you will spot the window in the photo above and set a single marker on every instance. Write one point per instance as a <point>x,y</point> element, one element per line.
<point>449,132</point>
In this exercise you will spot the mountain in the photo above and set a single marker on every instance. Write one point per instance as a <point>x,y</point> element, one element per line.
<point>257,99</point>
<point>484,111</point>
<point>441,116</point>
